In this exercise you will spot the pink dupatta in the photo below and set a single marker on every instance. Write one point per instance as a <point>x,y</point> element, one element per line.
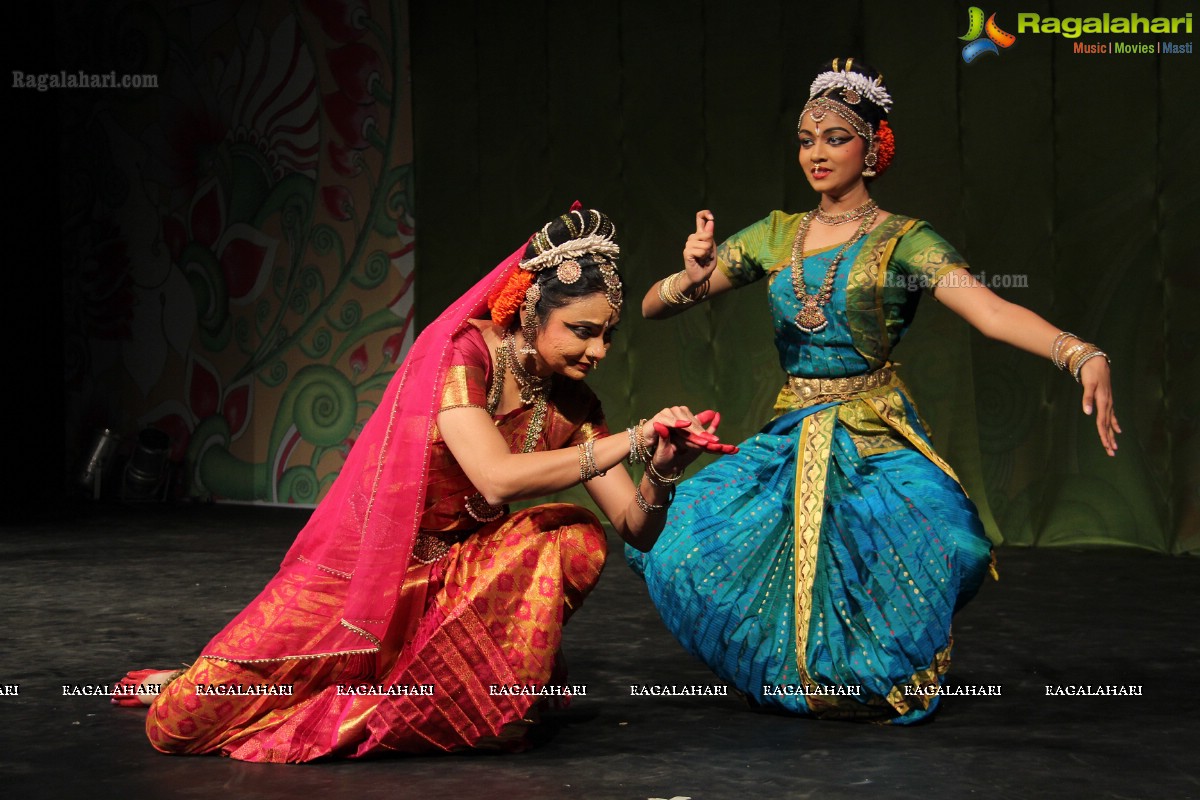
<point>364,529</point>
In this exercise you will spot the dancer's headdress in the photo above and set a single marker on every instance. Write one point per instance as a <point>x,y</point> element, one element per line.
<point>860,97</point>
<point>566,244</point>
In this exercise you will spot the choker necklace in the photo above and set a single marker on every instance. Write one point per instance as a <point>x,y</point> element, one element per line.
<point>811,318</point>
<point>846,216</point>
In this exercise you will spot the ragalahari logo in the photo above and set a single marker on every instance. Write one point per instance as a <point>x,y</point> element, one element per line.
<point>996,38</point>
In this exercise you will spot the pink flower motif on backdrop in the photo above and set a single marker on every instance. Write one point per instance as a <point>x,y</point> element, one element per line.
<point>356,68</point>
<point>358,359</point>
<point>338,202</point>
<point>206,399</point>
<point>394,346</point>
<point>342,20</point>
<point>345,161</point>
<point>351,121</point>
<point>246,255</point>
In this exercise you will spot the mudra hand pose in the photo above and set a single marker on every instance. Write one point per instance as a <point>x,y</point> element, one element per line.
<point>818,570</point>
<point>414,593</point>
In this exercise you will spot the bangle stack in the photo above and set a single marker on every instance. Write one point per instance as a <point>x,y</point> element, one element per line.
<point>660,480</point>
<point>646,505</point>
<point>631,432</point>
<point>673,297</point>
<point>587,461</point>
<point>638,452</point>
<point>1070,353</point>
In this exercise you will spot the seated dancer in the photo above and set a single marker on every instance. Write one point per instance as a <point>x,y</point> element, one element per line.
<point>818,570</point>
<point>413,590</point>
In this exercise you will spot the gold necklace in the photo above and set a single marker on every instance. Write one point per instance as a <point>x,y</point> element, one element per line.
<point>811,318</point>
<point>530,385</point>
<point>846,216</point>
<point>533,390</point>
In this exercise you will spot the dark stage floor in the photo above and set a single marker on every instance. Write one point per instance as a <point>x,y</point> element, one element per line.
<point>112,589</point>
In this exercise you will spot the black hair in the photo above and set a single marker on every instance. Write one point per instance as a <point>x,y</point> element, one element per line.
<point>574,225</point>
<point>556,294</point>
<point>871,113</point>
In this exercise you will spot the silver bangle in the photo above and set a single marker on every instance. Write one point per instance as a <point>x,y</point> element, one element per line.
<point>1084,360</point>
<point>587,461</point>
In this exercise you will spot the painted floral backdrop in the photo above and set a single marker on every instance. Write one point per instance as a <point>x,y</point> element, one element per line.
<point>239,239</point>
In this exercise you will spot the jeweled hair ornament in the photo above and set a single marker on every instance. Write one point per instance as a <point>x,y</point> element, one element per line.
<point>594,234</point>
<point>597,242</point>
<point>855,84</point>
<point>568,272</point>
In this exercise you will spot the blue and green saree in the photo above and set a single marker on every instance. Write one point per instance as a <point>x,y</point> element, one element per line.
<point>817,570</point>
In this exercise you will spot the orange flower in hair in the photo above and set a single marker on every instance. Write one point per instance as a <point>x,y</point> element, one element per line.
<point>507,301</point>
<point>885,143</point>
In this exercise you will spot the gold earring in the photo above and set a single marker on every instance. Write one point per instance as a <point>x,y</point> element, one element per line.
<point>870,160</point>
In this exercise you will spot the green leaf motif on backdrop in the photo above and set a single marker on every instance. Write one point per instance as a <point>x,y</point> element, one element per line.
<point>299,484</point>
<point>241,333</point>
<point>319,345</point>
<point>275,374</point>
<point>325,240</point>
<point>203,273</point>
<point>375,270</point>
<point>348,316</point>
<point>321,402</point>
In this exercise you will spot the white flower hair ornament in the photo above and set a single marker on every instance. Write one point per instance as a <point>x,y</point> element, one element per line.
<point>854,82</point>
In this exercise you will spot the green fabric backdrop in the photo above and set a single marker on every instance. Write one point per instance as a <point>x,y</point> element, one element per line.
<point>1076,171</point>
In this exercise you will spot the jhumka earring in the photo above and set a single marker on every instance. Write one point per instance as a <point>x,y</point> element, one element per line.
<point>529,319</point>
<point>870,160</point>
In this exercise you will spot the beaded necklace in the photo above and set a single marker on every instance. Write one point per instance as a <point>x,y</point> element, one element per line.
<point>846,216</point>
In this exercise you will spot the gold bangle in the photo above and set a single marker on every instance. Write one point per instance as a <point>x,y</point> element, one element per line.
<point>1069,353</point>
<point>637,448</point>
<point>672,296</point>
<point>667,293</point>
<point>1084,355</point>
<point>1056,347</point>
<point>583,474</point>
<point>660,480</point>
<point>646,505</point>
<point>1066,355</point>
<point>643,452</point>
<point>587,461</point>
<point>1075,353</point>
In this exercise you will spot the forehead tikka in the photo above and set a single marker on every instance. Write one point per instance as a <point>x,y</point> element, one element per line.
<point>568,272</point>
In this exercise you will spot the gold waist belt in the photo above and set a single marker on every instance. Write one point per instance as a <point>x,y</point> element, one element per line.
<point>809,390</point>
